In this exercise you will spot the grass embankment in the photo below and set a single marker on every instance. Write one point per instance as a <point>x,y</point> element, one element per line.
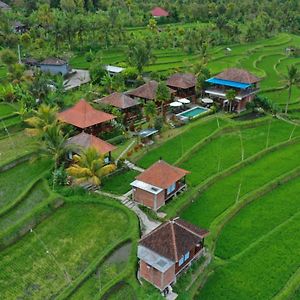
<point>233,147</point>
<point>174,148</point>
<point>259,218</point>
<point>16,182</point>
<point>263,236</point>
<point>60,249</point>
<point>225,192</point>
<point>6,109</point>
<point>14,146</point>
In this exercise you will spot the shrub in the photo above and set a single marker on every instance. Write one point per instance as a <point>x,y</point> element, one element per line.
<point>159,122</point>
<point>117,140</point>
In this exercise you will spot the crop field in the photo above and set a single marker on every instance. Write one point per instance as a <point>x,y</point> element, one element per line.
<point>267,59</point>
<point>59,250</point>
<point>226,192</point>
<point>243,144</point>
<point>14,146</point>
<point>174,148</point>
<point>6,109</point>
<point>16,181</point>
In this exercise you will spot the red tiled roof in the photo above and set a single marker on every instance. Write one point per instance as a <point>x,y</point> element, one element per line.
<point>183,81</point>
<point>83,115</point>
<point>173,239</point>
<point>118,100</point>
<point>159,12</point>
<point>84,141</point>
<point>238,75</point>
<point>162,175</point>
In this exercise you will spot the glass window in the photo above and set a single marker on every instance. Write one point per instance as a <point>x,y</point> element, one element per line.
<point>181,261</point>
<point>187,256</point>
<point>171,188</point>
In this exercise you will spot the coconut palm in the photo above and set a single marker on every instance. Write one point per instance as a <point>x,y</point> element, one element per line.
<point>150,110</point>
<point>291,79</point>
<point>53,143</point>
<point>230,96</point>
<point>162,95</point>
<point>89,167</point>
<point>43,118</point>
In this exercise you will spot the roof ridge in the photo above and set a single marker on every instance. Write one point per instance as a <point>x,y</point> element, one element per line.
<point>154,230</point>
<point>187,229</point>
<point>174,239</point>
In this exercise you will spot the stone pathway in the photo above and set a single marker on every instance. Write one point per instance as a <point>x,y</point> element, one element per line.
<point>132,166</point>
<point>147,225</point>
<point>125,151</point>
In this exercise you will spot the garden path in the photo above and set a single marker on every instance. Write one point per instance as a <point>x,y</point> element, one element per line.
<point>132,166</point>
<point>147,225</point>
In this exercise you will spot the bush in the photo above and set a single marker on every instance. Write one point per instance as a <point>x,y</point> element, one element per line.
<point>159,122</point>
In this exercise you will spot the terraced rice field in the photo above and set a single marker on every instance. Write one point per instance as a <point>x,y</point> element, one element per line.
<point>16,181</point>
<point>259,238</point>
<point>59,250</point>
<point>267,59</point>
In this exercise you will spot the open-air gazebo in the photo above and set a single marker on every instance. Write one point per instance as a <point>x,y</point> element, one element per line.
<point>127,105</point>
<point>83,116</point>
<point>83,141</point>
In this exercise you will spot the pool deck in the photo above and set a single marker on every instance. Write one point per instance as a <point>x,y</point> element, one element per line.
<point>181,114</point>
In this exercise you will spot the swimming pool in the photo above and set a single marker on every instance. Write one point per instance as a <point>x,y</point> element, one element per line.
<point>193,112</point>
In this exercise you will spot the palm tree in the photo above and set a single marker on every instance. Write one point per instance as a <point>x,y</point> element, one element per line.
<point>230,96</point>
<point>107,83</point>
<point>162,95</point>
<point>89,167</point>
<point>54,143</point>
<point>43,118</point>
<point>291,79</point>
<point>150,110</point>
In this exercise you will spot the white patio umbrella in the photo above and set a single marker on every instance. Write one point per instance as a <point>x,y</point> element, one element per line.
<point>184,101</point>
<point>175,104</point>
<point>207,100</point>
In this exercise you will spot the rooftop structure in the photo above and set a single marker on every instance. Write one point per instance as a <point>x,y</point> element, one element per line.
<point>112,70</point>
<point>55,66</point>
<point>157,184</point>
<point>183,83</point>
<point>4,6</point>
<point>169,249</point>
<point>83,141</point>
<point>158,12</point>
<point>83,115</point>
<point>118,100</point>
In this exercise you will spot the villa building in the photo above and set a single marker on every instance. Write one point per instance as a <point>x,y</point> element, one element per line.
<point>183,84</point>
<point>83,116</point>
<point>83,141</point>
<point>243,82</point>
<point>168,250</point>
<point>158,184</point>
<point>126,105</point>
<point>55,66</point>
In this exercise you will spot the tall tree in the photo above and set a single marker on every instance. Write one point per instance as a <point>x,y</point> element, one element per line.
<point>150,111</point>
<point>140,54</point>
<point>291,79</point>
<point>230,96</point>
<point>89,167</point>
<point>162,95</point>
<point>41,120</point>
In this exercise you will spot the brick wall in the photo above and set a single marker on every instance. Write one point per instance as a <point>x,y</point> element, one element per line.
<point>157,278</point>
<point>147,199</point>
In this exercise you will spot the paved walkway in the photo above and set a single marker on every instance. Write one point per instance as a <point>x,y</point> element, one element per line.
<point>125,151</point>
<point>132,166</point>
<point>147,225</point>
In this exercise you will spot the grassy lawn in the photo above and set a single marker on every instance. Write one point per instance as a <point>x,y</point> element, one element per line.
<point>259,218</point>
<point>15,181</point>
<point>125,291</point>
<point>119,183</point>
<point>36,197</point>
<point>175,147</point>
<point>260,272</point>
<point>229,148</point>
<point>73,237</point>
<point>222,194</point>
<point>14,146</point>
<point>6,109</point>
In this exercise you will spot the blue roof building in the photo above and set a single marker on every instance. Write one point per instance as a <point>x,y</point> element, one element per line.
<point>245,84</point>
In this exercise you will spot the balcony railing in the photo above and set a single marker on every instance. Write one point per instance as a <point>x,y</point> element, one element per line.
<point>182,186</point>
